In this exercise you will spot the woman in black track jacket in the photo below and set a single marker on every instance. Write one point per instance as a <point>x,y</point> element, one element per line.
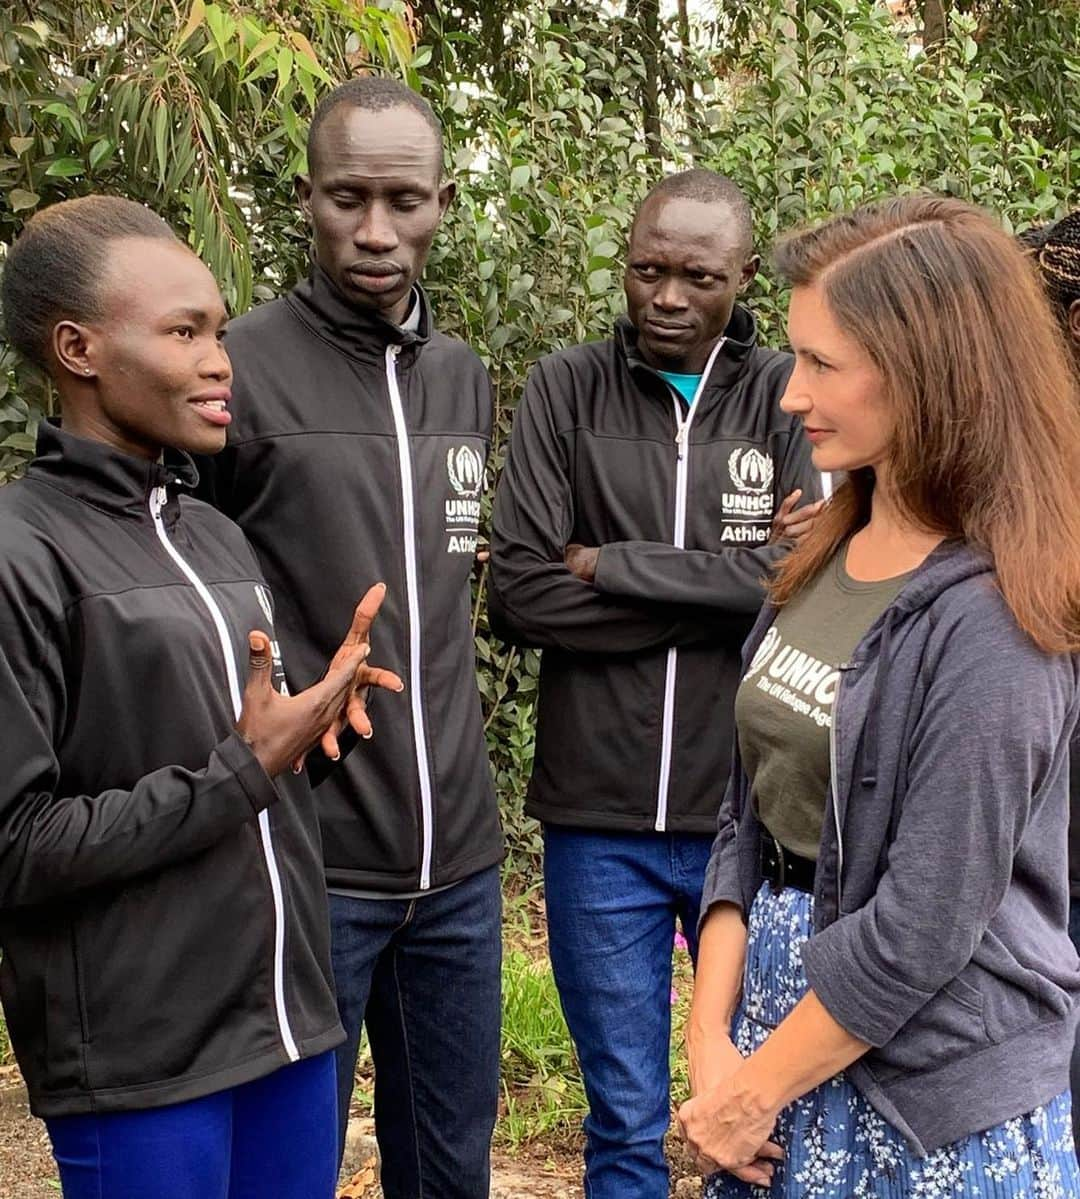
<point>165,974</point>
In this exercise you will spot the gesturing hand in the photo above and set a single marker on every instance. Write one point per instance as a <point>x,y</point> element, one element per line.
<point>794,524</point>
<point>366,677</point>
<point>723,1133</point>
<point>281,729</point>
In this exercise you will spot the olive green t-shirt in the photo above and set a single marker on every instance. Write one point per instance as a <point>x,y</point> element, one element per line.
<point>783,708</point>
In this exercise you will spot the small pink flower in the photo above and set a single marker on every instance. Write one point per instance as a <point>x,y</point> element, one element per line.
<point>674,997</point>
<point>680,941</point>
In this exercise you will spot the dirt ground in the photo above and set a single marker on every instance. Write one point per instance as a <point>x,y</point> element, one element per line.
<point>538,1173</point>
<point>27,1170</point>
<point>535,1172</point>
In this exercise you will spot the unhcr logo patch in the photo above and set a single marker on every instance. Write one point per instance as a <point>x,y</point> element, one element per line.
<point>262,594</point>
<point>747,505</point>
<point>465,470</point>
<point>750,470</point>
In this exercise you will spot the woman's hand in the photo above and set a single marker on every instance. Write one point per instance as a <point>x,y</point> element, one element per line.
<point>281,729</point>
<point>730,1124</point>
<point>725,1131</point>
<point>354,713</point>
<point>712,1058</point>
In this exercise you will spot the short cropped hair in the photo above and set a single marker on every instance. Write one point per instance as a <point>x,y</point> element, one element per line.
<point>53,271</point>
<point>707,187</point>
<point>371,93</point>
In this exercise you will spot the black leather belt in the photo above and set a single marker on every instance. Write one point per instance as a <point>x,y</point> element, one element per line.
<point>782,868</point>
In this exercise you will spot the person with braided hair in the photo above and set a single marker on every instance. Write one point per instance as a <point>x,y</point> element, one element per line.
<point>1055,249</point>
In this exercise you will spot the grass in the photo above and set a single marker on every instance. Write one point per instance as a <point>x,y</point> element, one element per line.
<point>543,1094</point>
<point>543,1098</point>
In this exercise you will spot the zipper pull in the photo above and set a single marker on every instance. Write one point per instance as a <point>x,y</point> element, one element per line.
<point>680,439</point>
<point>157,502</point>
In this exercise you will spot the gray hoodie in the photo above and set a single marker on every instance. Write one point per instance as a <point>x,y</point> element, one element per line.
<point>941,898</point>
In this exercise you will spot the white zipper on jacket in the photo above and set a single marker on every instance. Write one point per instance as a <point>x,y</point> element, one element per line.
<point>157,502</point>
<point>833,778</point>
<point>682,467</point>
<point>412,590</point>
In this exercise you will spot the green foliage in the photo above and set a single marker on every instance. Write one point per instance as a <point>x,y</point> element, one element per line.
<point>832,107</point>
<point>558,117</point>
<point>202,114</point>
<point>1033,49</point>
<point>192,114</point>
<point>543,1095</point>
<point>542,1089</point>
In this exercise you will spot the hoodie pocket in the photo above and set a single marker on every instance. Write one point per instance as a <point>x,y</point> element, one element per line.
<point>949,1025</point>
<point>1015,1005</point>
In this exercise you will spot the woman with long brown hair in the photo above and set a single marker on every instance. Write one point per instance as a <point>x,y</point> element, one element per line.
<point>886,988</point>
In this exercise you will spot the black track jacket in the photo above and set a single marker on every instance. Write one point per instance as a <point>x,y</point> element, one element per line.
<point>162,913</point>
<point>357,454</point>
<point>640,668</point>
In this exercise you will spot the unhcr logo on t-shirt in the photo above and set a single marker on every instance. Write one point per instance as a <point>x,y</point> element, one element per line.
<point>764,652</point>
<point>794,678</point>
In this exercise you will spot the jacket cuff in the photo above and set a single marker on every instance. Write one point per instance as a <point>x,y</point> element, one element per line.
<point>862,996</point>
<point>721,885</point>
<point>256,784</point>
<point>600,572</point>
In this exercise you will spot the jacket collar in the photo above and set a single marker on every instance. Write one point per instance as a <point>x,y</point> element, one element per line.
<point>103,476</point>
<point>359,332</point>
<point>740,338</point>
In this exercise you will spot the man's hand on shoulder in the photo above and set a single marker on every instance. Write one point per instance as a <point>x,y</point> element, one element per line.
<point>794,523</point>
<point>581,561</point>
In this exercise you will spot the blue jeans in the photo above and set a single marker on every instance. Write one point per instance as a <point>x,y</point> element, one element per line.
<point>612,900</point>
<point>424,975</point>
<point>273,1136</point>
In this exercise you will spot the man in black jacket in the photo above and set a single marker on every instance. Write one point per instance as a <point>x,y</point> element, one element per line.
<point>357,452</point>
<point>631,534</point>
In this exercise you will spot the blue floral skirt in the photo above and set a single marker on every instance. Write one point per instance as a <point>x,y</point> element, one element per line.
<point>838,1147</point>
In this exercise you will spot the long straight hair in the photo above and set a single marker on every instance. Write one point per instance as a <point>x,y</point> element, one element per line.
<point>986,438</point>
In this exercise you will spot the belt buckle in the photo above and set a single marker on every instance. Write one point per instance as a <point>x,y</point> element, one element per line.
<point>780,883</point>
